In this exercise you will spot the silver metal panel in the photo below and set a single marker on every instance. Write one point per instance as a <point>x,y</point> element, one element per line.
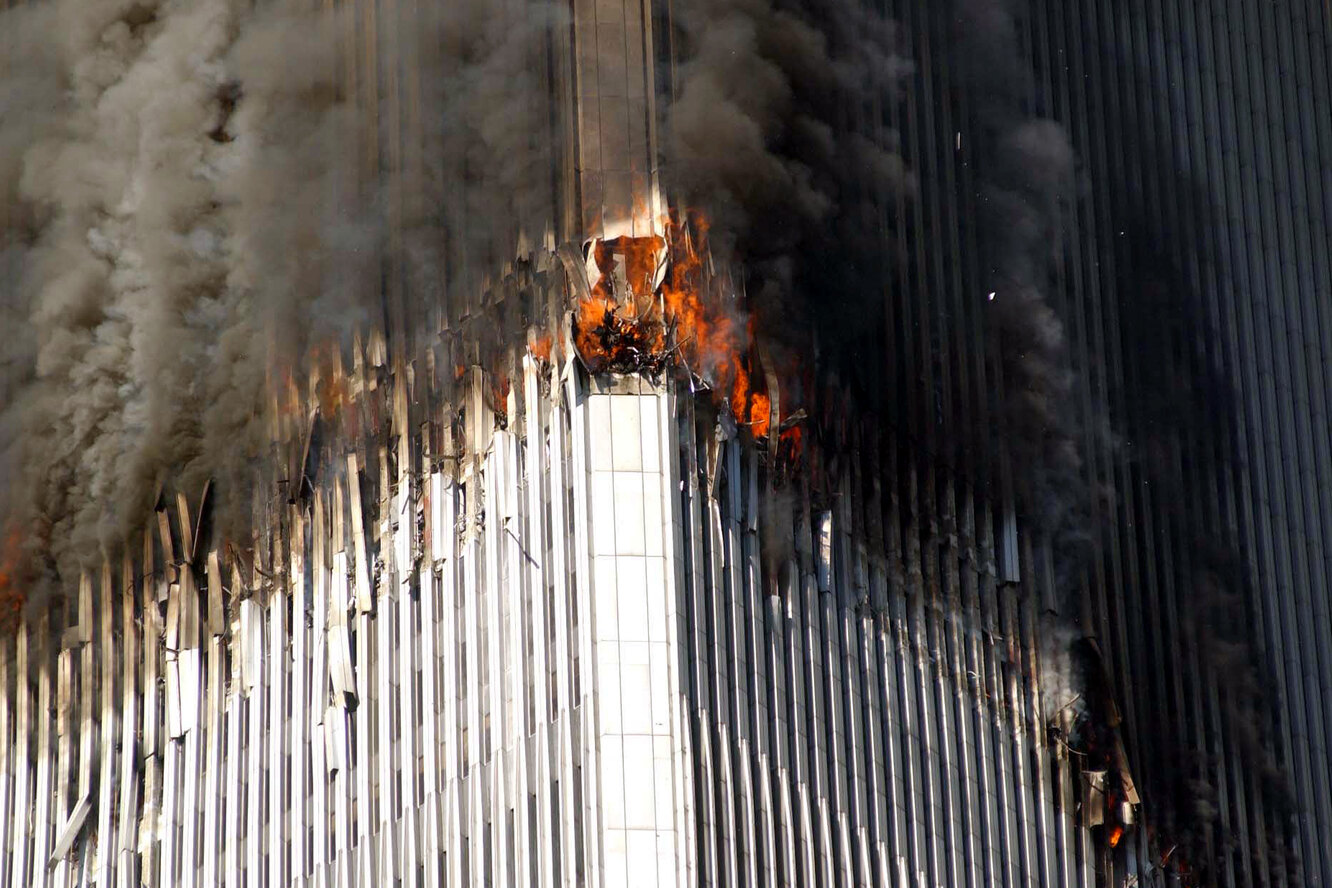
<point>296,720</point>
<point>19,835</point>
<point>8,696</point>
<point>728,725</point>
<point>44,787</point>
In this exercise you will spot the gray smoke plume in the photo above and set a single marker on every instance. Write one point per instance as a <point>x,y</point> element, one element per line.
<point>779,132</point>
<point>1026,186</point>
<point>489,183</point>
<point>119,276</point>
<point>186,209</point>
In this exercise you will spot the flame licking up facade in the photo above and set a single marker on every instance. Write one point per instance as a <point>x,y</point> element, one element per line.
<point>656,304</point>
<point>552,569</point>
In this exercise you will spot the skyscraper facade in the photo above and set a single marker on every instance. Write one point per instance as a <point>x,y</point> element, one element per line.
<point>532,601</point>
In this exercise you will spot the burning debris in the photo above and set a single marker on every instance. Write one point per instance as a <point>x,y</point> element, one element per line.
<point>655,304</point>
<point>1089,726</point>
<point>618,329</point>
<point>625,343</point>
<point>498,397</point>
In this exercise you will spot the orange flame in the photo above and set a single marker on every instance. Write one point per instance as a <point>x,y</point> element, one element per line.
<point>750,407</point>
<point>790,445</point>
<point>319,379</point>
<point>540,348</point>
<point>707,335</point>
<point>1115,835</point>
<point>625,325</point>
<point>332,389</point>
<point>333,396</point>
<point>620,327</point>
<point>638,258</point>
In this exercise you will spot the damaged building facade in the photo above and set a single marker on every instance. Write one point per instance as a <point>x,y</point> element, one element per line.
<point>552,610</point>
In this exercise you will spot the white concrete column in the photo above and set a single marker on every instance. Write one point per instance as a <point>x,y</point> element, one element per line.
<point>634,652</point>
<point>616,128</point>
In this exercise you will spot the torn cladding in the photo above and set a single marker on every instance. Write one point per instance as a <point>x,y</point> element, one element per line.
<point>600,650</point>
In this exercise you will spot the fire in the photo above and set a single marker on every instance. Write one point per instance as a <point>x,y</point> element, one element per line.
<point>332,396</point>
<point>1115,835</point>
<point>637,258</point>
<point>707,335</point>
<point>617,326</point>
<point>609,338</point>
<point>790,445</point>
<point>750,407</point>
<point>330,383</point>
<point>540,348</point>
<point>319,379</point>
<point>629,322</point>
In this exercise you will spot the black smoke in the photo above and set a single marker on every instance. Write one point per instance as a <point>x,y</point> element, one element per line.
<point>779,130</point>
<point>1026,190</point>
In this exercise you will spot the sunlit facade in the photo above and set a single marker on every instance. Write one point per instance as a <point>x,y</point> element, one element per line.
<point>546,626</point>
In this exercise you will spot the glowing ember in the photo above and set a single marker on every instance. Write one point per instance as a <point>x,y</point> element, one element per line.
<point>1115,835</point>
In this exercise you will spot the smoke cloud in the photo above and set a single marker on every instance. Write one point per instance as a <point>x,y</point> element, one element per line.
<point>779,133</point>
<point>1026,185</point>
<point>491,196</point>
<point>167,232</point>
<point>1027,188</point>
<point>190,201</point>
<point>116,263</point>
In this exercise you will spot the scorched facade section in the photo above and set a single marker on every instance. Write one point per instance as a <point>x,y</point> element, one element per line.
<point>562,660</point>
<point>529,602</point>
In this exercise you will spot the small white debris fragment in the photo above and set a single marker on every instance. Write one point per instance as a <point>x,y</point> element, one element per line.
<point>992,295</point>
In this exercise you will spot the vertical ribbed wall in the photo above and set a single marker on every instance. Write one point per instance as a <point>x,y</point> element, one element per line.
<point>418,678</point>
<point>1194,287</point>
<point>557,661</point>
<point>868,712</point>
<point>448,673</point>
<point>1198,297</point>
